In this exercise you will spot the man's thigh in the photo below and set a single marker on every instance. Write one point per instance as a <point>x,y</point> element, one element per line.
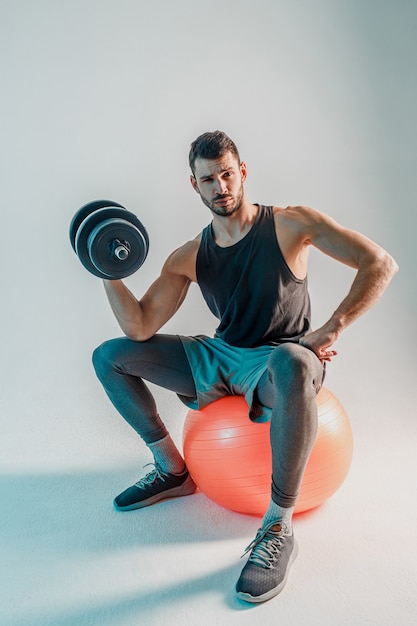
<point>160,360</point>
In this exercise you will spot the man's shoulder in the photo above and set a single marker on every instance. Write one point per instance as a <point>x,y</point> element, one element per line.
<point>296,215</point>
<point>183,259</point>
<point>293,211</point>
<point>188,248</point>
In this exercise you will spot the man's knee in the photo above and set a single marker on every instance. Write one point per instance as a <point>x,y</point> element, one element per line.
<point>104,357</point>
<point>292,363</point>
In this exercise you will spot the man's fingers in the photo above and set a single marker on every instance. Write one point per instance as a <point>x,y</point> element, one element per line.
<point>326,355</point>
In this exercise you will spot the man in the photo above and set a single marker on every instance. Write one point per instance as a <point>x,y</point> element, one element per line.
<point>251,266</point>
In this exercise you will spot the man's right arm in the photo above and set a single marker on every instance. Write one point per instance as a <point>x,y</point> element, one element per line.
<point>141,319</point>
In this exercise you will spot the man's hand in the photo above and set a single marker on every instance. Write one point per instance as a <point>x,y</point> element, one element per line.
<point>320,342</point>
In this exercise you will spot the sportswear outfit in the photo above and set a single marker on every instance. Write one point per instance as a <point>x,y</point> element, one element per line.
<point>263,311</point>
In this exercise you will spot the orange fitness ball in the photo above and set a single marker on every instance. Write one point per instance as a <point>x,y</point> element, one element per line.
<point>229,456</point>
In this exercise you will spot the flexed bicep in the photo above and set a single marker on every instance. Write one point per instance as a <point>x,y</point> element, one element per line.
<point>161,302</point>
<point>141,319</point>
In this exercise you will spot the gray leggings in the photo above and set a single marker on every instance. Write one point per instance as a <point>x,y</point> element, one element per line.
<point>289,387</point>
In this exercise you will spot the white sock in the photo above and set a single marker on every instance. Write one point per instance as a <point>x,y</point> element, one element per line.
<point>167,456</point>
<point>276,513</point>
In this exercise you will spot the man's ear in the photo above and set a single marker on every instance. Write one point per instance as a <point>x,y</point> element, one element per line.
<point>194,183</point>
<point>243,171</point>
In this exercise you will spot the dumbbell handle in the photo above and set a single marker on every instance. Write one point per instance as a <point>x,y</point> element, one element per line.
<point>119,249</point>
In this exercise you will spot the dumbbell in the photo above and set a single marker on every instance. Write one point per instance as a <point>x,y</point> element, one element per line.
<point>109,240</point>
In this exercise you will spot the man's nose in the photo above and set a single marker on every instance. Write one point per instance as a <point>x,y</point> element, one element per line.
<point>220,186</point>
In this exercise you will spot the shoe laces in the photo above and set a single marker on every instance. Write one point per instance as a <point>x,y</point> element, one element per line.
<point>267,545</point>
<point>151,476</point>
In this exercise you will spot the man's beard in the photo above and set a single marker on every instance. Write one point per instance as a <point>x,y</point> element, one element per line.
<point>225,211</point>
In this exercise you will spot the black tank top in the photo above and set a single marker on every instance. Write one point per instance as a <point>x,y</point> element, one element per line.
<point>249,287</point>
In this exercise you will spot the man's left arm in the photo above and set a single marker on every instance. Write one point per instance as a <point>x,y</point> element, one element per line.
<point>375,269</point>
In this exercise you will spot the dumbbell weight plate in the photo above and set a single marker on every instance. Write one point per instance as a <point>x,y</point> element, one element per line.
<point>112,235</point>
<point>84,212</point>
<point>94,238</point>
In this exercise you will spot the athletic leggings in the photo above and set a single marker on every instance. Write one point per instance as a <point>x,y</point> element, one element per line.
<point>289,387</point>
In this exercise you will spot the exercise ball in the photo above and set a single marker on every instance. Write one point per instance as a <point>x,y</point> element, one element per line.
<point>229,456</point>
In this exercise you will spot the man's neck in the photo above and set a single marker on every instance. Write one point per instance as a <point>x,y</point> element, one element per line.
<point>229,230</point>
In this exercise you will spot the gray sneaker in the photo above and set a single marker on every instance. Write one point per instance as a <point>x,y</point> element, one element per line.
<point>265,573</point>
<point>153,487</point>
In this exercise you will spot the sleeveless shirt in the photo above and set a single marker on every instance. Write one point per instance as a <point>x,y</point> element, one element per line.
<point>250,288</point>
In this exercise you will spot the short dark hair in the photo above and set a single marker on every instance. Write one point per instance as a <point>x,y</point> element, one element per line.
<point>211,145</point>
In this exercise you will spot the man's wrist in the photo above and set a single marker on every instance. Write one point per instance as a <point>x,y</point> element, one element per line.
<point>336,324</point>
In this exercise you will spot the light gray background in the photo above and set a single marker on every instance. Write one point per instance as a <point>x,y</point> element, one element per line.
<point>102,99</point>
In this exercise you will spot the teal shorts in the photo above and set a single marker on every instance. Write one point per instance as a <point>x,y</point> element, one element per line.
<point>220,370</point>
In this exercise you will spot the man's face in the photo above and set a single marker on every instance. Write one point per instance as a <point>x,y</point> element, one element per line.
<point>219,182</point>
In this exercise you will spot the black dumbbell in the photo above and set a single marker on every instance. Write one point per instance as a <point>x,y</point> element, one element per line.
<point>109,240</point>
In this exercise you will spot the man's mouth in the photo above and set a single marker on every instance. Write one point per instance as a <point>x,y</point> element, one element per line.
<point>222,201</point>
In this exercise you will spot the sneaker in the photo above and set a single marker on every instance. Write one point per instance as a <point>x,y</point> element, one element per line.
<point>265,573</point>
<point>153,487</point>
